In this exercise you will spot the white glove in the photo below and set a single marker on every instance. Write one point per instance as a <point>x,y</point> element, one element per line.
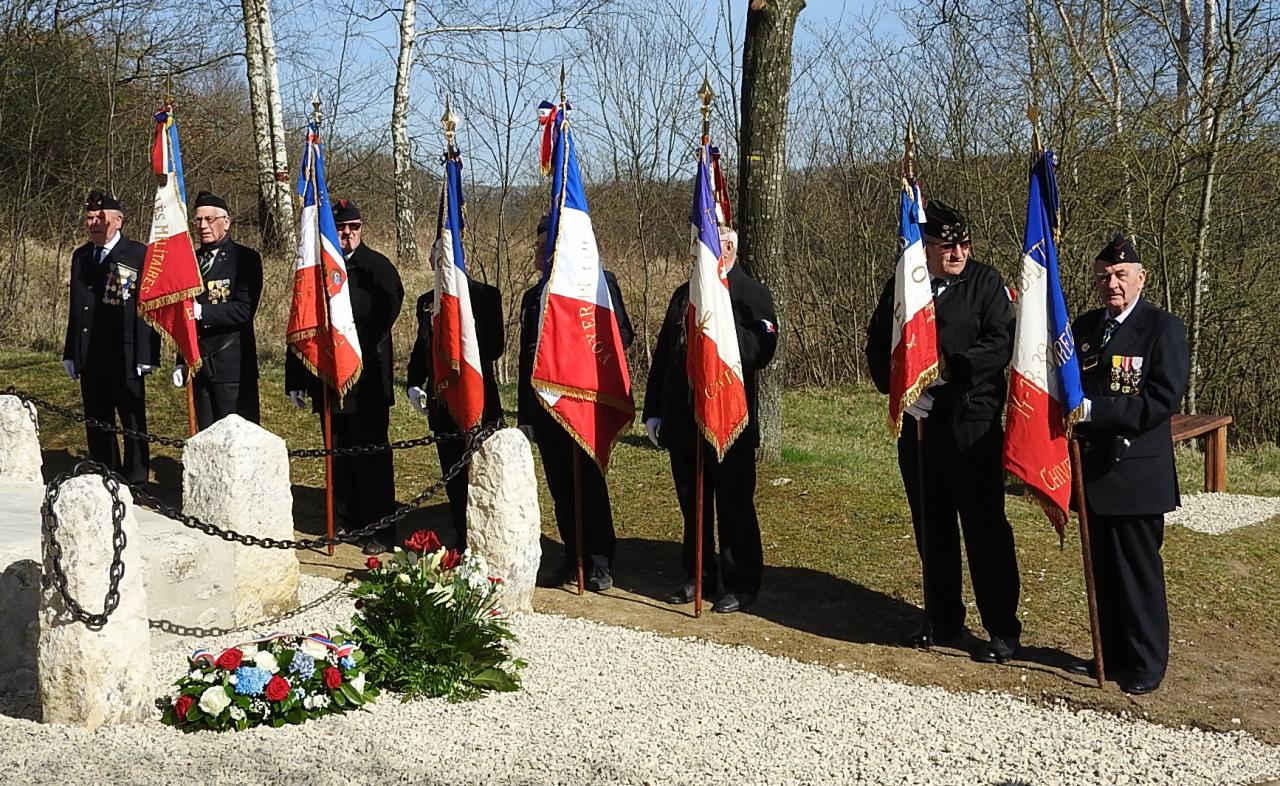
<point>145,369</point>
<point>298,398</point>
<point>1088,411</point>
<point>418,398</point>
<point>179,376</point>
<point>920,409</point>
<point>653,426</point>
<point>69,366</point>
<point>196,310</point>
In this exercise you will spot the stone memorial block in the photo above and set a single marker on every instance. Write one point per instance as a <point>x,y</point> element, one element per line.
<point>503,522</point>
<point>19,441</point>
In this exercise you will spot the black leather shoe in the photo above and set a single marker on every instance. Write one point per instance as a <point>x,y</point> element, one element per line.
<point>1140,687</point>
<point>680,595</point>
<point>375,547</point>
<point>998,650</point>
<point>1082,667</point>
<point>599,580</point>
<point>924,638</point>
<point>565,574</point>
<point>733,601</point>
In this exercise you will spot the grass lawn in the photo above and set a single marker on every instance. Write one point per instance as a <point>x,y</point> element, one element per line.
<point>842,582</point>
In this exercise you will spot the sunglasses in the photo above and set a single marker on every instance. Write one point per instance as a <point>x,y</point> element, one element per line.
<point>353,226</point>
<point>964,244</point>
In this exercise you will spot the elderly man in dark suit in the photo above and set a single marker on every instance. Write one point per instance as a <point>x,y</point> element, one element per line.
<point>1134,368</point>
<point>108,346</point>
<point>364,486</point>
<point>227,381</point>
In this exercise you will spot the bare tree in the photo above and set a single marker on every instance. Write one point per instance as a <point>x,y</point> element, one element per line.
<point>275,206</point>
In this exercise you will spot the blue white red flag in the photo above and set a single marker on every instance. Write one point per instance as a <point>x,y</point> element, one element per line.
<point>913,357</point>
<point>579,368</point>
<point>170,275</point>
<point>322,327</point>
<point>1045,395</point>
<point>714,361</point>
<point>455,351</point>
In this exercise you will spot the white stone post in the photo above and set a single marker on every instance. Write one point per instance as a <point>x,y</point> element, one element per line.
<point>93,678</point>
<point>503,522</point>
<point>19,441</point>
<point>236,476</point>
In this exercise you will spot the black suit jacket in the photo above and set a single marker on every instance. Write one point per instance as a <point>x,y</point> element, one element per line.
<point>1135,383</point>
<point>93,284</point>
<point>667,395</point>
<point>975,340</point>
<point>228,304</point>
<point>376,297</point>
<point>491,334</point>
<point>530,412</point>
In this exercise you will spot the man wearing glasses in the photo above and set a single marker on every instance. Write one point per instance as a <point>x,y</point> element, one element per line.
<point>227,381</point>
<point>364,487</point>
<point>963,438</point>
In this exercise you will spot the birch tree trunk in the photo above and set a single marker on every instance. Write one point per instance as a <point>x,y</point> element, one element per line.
<point>762,164</point>
<point>402,160</point>
<point>275,205</point>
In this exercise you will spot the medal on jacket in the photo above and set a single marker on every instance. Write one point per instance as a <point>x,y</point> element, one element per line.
<point>122,281</point>
<point>218,291</point>
<point>1117,372</point>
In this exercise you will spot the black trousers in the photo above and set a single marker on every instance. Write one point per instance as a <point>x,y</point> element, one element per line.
<point>1133,612</point>
<point>364,486</point>
<point>968,483</point>
<point>599,541</point>
<point>729,507</point>
<point>216,400</point>
<point>450,452</point>
<point>104,398</point>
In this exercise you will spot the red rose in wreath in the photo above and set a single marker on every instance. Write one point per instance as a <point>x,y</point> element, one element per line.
<point>450,560</point>
<point>182,705</point>
<point>373,563</point>
<point>424,541</point>
<point>230,659</point>
<point>332,678</point>
<point>277,689</point>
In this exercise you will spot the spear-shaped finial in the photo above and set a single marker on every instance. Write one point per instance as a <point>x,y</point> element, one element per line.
<point>449,121</point>
<point>1033,115</point>
<point>909,152</point>
<point>168,90</point>
<point>316,115</point>
<point>706,94</point>
<point>563,98</point>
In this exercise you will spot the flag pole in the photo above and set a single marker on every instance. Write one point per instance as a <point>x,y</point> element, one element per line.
<point>922,529</point>
<point>326,423</point>
<point>192,425</point>
<point>577,451</point>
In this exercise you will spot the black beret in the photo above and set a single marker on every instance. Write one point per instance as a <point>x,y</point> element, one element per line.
<point>544,224</point>
<point>1118,251</point>
<point>345,210</point>
<point>100,201</point>
<point>207,199</point>
<point>945,222</point>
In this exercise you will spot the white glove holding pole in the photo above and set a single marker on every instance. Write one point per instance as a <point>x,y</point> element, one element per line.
<point>145,369</point>
<point>418,398</point>
<point>920,409</point>
<point>179,376</point>
<point>653,426</point>
<point>69,366</point>
<point>298,398</point>
<point>197,310</point>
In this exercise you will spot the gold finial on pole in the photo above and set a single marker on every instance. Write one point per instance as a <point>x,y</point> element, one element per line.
<point>316,115</point>
<point>449,121</point>
<point>168,90</point>
<point>1033,115</point>
<point>706,94</point>
<point>909,153</point>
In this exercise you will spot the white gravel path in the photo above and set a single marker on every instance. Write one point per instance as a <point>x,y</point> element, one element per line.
<point>1219,513</point>
<point>606,705</point>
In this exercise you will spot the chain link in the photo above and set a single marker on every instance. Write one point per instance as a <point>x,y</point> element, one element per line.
<point>93,423</point>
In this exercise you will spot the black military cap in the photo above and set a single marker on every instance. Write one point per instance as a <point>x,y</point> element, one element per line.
<point>208,199</point>
<point>1119,250</point>
<point>544,224</point>
<point>945,222</point>
<point>100,201</point>
<point>345,210</point>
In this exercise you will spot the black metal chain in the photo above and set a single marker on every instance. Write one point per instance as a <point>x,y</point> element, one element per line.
<point>173,442</point>
<point>53,549</point>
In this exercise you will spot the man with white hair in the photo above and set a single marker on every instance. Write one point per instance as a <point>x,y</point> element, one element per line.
<point>1134,367</point>
<point>109,348</point>
<point>227,381</point>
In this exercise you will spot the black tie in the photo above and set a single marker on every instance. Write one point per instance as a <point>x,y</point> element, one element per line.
<point>99,253</point>
<point>938,285</point>
<point>1109,329</point>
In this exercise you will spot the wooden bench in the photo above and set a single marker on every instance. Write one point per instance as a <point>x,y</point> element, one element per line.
<point>1212,431</point>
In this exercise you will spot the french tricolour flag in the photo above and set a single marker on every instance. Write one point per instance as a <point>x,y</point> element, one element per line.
<point>713,362</point>
<point>579,369</point>
<point>913,360</point>
<point>322,328</point>
<point>170,276</point>
<point>1045,395</point>
<point>455,350</point>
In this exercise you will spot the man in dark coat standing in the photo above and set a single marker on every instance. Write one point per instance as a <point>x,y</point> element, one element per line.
<point>486,307</point>
<point>557,447</point>
<point>108,346</point>
<point>1134,368</point>
<point>227,381</point>
<point>729,486</point>
<point>364,486</point>
<point>963,441</point>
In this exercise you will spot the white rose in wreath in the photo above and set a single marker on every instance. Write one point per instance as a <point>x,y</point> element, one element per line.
<point>357,682</point>
<point>265,660</point>
<point>214,700</point>
<point>314,648</point>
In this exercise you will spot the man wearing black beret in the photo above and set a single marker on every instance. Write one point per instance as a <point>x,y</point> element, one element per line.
<point>1134,367</point>
<point>963,441</point>
<point>108,346</point>
<point>228,378</point>
<point>364,486</point>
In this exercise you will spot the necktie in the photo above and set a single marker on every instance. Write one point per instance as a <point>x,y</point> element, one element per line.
<point>938,284</point>
<point>98,253</point>
<point>1108,330</point>
<point>206,261</point>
